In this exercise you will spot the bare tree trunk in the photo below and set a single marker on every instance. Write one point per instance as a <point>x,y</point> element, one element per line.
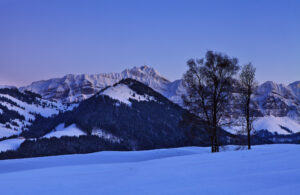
<point>215,140</point>
<point>212,143</point>
<point>216,144</point>
<point>248,119</point>
<point>249,144</point>
<point>216,147</point>
<point>248,85</point>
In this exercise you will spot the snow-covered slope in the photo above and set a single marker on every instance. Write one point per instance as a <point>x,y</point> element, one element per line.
<point>19,110</point>
<point>266,169</point>
<point>11,144</point>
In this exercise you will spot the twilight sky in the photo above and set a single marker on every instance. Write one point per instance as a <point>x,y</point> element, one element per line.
<point>51,38</point>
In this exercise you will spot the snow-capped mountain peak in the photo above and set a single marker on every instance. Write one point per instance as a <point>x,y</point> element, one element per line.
<point>144,71</point>
<point>73,88</point>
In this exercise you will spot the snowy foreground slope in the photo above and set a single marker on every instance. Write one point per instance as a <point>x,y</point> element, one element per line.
<point>267,169</point>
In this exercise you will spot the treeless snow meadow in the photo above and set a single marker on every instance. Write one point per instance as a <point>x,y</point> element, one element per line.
<point>266,169</point>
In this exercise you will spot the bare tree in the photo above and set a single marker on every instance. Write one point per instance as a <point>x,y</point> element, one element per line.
<point>248,87</point>
<point>208,83</point>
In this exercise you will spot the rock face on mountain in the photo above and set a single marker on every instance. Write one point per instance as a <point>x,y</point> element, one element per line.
<point>75,88</point>
<point>277,108</point>
<point>295,88</point>
<point>278,100</point>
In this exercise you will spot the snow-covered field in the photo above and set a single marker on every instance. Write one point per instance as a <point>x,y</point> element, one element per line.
<point>11,144</point>
<point>267,169</point>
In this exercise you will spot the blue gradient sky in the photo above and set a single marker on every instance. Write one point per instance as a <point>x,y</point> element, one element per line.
<point>44,39</point>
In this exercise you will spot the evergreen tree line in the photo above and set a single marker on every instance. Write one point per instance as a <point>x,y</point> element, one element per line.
<point>63,145</point>
<point>27,96</point>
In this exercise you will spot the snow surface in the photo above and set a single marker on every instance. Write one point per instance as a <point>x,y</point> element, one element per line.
<point>10,144</point>
<point>267,169</point>
<point>60,131</point>
<point>123,93</point>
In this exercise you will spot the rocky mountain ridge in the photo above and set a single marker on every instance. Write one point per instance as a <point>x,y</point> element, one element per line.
<point>273,102</point>
<point>75,88</point>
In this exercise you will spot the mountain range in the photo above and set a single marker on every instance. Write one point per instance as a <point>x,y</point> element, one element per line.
<point>75,88</point>
<point>125,116</point>
<point>278,103</point>
<point>135,109</point>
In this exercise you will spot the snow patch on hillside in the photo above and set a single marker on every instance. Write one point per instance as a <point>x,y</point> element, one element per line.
<point>10,144</point>
<point>108,136</point>
<point>60,131</point>
<point>123,94</point>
